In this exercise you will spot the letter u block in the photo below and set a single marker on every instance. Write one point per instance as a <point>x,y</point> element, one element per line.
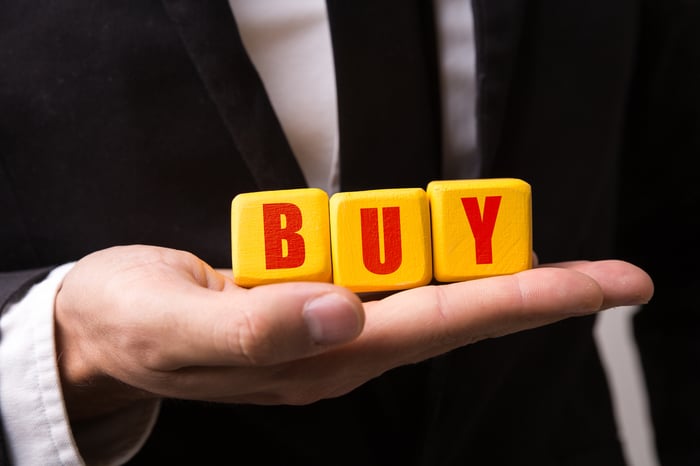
<point>280,236</point>
<point>480,228</point>
<point>380,239</point>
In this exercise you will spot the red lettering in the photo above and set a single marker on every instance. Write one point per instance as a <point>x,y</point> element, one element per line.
<point>279,232</point>
<point>482,226</point>
<point>371,248</point>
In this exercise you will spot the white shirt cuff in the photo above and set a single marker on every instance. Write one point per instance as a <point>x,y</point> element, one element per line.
<point>37,429</point>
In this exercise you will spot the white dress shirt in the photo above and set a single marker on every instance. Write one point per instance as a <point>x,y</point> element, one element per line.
<point>295,37</point>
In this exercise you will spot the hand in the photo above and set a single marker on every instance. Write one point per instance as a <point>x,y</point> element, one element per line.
<point>135,322</point>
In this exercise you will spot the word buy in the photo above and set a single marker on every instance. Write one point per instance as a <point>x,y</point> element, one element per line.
<point>388,239</point>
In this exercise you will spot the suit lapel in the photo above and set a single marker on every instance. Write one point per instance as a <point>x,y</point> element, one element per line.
<point>385,130</point>
<point>498,28</point>
<point>211,37</point>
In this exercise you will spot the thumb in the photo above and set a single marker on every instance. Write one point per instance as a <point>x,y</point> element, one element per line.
<point>265,325</point>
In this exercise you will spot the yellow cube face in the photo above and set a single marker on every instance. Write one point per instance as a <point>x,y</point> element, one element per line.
<point>280,236</point>
<point>380,239</point>
<point>480,228</point>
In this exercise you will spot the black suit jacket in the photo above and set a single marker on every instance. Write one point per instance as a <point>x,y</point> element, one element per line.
<point>137,122</point>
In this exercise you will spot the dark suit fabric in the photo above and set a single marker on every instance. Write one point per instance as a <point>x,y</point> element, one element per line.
<point>138,122</point>
<point>660,226</point>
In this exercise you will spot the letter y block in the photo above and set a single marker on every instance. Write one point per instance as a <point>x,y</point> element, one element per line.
<point>480,228</point>
<point>280,236</point>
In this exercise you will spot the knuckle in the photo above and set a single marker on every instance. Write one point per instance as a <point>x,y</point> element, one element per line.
<point>137,350</point>
<point>450,335</point>
<point>251,341</point>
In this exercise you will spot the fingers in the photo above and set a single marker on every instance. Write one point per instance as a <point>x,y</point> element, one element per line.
<point>437,319</point>
<point>417,324</point>
<point>470,311</point>
<point>284,322</point>
<point>622,283</point>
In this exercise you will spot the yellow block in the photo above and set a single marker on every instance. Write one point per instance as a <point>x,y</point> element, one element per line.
<point>380,239</point>
<point>480,228</point>
<point>280,236</point>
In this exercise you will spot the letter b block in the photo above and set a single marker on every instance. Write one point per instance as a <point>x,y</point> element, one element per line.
<point>480,228</point>
<point>381,239</point>
<point>280,236</point>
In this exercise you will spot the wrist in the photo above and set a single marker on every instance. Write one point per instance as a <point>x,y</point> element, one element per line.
<point>88,391</point>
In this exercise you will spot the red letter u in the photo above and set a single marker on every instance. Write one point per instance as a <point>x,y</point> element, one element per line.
<point>371,248</point>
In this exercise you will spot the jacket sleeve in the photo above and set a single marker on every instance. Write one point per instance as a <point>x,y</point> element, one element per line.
<point>13,285</point>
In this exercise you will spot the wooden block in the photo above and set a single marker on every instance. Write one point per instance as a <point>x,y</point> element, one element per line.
<point>380,239</point>
<point>480,228</point>
<point>280,236</point>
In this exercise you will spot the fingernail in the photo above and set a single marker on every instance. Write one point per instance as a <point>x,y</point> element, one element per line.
<point>331,319</point>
